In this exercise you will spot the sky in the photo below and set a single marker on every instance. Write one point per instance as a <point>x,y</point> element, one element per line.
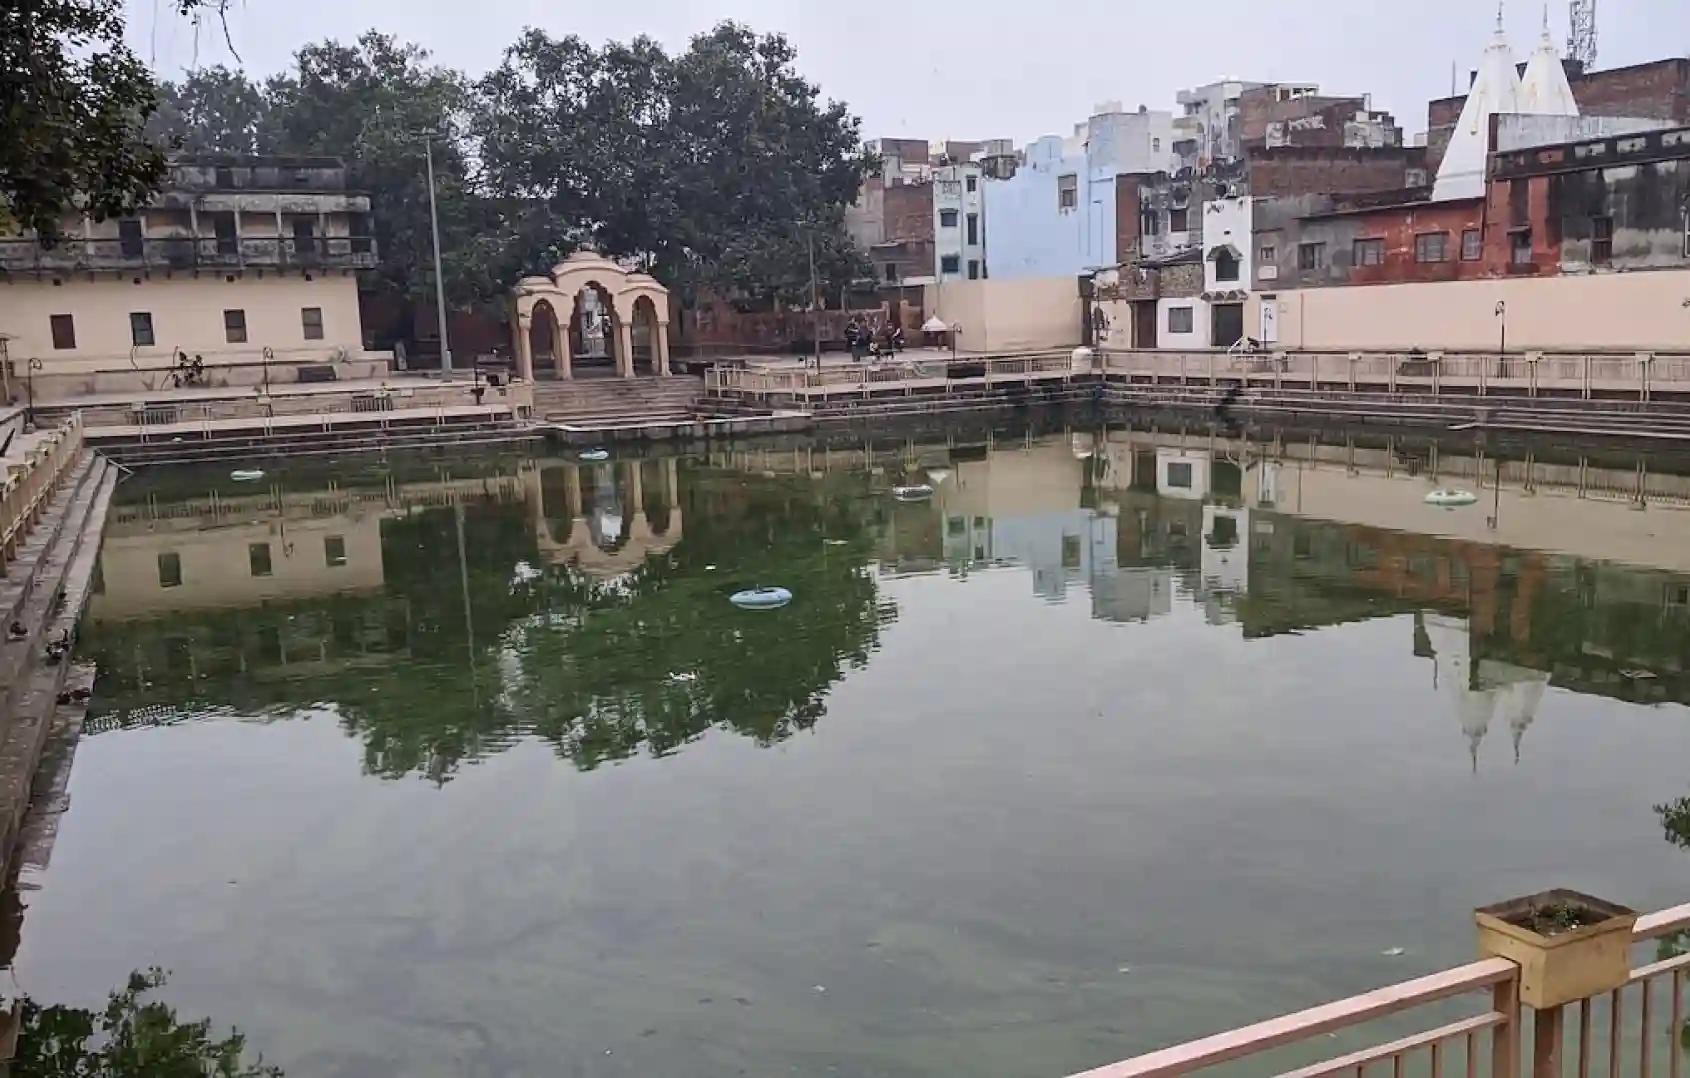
<point>980,69</point>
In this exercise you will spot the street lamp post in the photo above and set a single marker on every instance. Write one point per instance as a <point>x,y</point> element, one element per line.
<point>439,278</point>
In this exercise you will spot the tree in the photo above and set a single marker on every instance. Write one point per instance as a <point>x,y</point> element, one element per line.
<point>374,104</point>
<point>214,110</point>
<point>717,168</point>
<point>131,1036</point>
<point>76,103</point>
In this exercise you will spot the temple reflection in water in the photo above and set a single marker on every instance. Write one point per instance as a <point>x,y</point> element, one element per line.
<point>495,586</point>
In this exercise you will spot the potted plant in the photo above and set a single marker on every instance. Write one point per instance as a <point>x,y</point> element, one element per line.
<point>1567,944</point>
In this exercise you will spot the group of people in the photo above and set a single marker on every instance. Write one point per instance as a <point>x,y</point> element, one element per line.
<point>875,339</point>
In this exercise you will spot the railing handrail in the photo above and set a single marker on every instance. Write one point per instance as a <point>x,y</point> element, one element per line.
<point>1290,1028</point>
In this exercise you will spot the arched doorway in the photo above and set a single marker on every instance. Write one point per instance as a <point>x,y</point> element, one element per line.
<point>592,333</point>
<point>644,336</point>
<point>543,339</point>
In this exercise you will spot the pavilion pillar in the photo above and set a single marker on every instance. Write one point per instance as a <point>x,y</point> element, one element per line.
<point>660,347</point>
<point>521,325</point>
<point>560,347</point>
<point>625,348</point>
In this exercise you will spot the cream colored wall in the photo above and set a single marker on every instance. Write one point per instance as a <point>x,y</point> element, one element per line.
<point>217,568</point>
<point>1625,311</point>
<point>1010,315</point>
<point>187,313</point>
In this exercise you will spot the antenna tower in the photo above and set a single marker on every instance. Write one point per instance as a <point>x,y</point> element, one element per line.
<point>1581,39</point>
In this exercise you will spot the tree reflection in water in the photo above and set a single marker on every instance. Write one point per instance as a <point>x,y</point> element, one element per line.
<point>131,1036</point>
<point>455,660</point>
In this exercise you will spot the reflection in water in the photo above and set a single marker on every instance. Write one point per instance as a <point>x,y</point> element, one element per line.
<point>131,1035</point>
<point>597,587</point>
<point>1098,703</point>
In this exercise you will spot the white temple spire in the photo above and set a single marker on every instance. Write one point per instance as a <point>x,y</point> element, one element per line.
<point>1545,89</point>
<point>1496,89</point>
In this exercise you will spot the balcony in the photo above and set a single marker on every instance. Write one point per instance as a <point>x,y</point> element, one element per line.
<point>188,253</point>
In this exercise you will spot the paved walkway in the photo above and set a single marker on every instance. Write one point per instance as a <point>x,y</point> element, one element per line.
<point>190,394</point>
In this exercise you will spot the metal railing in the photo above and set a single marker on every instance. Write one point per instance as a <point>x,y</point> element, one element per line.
<point>1628,375</point>
<point>1490,1041</point>
<point>907,372</point>
<point>189,252</point>
<point>29,485</point>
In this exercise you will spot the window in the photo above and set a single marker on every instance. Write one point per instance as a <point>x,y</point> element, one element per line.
<point>1601,240</point>
<point>1067,192</point>
<point>973,229</point>
<point>1519,202</point>
<point>1472,244</point>
<point>304,236</point>
<point>129,238</point>
<point>1155,145</point>
<point>947,218</point>
<point>891,271</point>
<point>1071,550</point>
<point>225,176</point>
<point>1520,247</point>
<point>234,326</point>
<point>1179,472</point>
<point>141,329</point>
<point>1179,219</point>
<point>973,183</point>
<point>64,331</point>
<point>973,269</point>
<point>1368,252</point>
<point>258,558</point>
<point>223,227</point>
<point>949,263</point>
<point>1226,265</point>
<point>1431,247</point>
<point>1179,320</point>
<point>1269,253</point>
<point>1149,224</point>
<point>170,569</point>
<point>311,318</point>
<point>334,551</point>
<point>1311,256</point>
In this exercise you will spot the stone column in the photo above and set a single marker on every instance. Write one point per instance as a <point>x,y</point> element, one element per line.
<point>660,347</point>
<point>523,344</point>
<point>560,347</point>
<point>572,491</point>
<point>624,348</point>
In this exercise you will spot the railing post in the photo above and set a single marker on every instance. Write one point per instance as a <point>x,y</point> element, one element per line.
<point>1355,357</point>
<point>1532,359</point>
<point>1644,359</point>
<point>1505,1038</point>
<point>1390,373</point>
<point>1586,360</point>
<point>1210,358</point>
<point>1437,359</point>
<point>1483,380</point>
<point>1547,1039</point>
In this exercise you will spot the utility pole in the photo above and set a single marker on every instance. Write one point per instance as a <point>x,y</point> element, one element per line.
<point>439,278</point>
<point>815,297</point>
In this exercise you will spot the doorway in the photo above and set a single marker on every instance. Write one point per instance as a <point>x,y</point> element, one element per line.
<point>1226,324</point>
<point>1144,324</point>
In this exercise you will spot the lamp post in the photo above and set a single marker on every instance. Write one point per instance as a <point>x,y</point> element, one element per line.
<point>1502,317</point>
<point>439,278</point>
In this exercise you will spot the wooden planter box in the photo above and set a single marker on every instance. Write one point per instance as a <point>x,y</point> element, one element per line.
<point>1570,965</point>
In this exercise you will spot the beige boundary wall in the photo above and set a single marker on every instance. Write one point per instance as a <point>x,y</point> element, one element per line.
<point>1648,311</point>
<point>1009,315</point>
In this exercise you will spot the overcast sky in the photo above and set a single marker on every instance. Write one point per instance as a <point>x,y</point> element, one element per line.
<point>981,69</point>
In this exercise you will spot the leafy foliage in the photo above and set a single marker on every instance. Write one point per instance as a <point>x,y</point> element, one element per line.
<point>131,1036</point>
<point>213,110</point>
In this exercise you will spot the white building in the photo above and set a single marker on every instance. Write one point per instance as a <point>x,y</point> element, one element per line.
<point>959,222</point>
<point>1228,262</point>
<point>1496,89</point>
<point>1207,128</point>
<point>1056,215</point>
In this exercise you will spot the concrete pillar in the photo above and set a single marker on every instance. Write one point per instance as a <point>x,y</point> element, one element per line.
<point>624,348</point>
<point>660,347</point>
<point>523,342</point>
<point>572,490</point>
<point>560,347</point>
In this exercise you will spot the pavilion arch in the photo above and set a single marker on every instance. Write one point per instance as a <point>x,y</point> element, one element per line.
<point>627,294</point>
<point>564,491</point>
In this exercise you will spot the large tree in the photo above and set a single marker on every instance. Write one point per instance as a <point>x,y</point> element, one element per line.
<point>213,110</point>
<point>74,103</point>
<point>719,168</point>
<point>375,103</point>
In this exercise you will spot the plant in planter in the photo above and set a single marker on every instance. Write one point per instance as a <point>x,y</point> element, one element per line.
<point>1568,945</point>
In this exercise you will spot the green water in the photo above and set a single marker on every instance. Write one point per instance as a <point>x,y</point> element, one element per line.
<point>467,766</point>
